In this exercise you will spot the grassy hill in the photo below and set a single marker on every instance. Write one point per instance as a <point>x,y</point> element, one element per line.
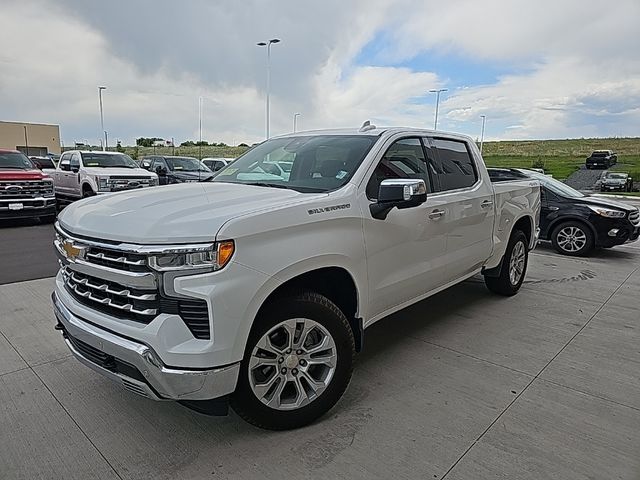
<point>562,157</point>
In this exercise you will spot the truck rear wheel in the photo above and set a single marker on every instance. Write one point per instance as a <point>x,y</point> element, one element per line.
<point>513,268</point>
<point>298,362</point>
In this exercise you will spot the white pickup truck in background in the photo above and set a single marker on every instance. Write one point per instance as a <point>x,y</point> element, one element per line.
<point>258,290</point>
<point>82,174</point>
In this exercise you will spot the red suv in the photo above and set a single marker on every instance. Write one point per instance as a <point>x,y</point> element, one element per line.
<point>25,191</point>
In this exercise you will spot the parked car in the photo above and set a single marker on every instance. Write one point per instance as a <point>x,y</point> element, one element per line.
<point>25,191</point>
<point>258,290</point>
<point>612,181</point>
<point>601,159</point>
<point>175,169</point>
<point>81,174</point>
<point>215,164</point>
<point>576,223</point>
<point>45,164</point>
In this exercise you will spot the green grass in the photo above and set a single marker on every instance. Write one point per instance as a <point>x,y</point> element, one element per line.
<point>560,167</point>
<point>229,152</point>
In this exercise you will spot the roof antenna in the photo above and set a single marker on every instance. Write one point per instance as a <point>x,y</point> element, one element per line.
<point>366,126</point>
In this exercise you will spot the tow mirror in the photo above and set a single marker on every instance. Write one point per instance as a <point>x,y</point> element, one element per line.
<point>398,192</point>
<point>160,170</point>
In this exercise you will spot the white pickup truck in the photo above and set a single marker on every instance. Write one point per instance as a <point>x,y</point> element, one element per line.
<point>82,174</point>
<point>258,290</point>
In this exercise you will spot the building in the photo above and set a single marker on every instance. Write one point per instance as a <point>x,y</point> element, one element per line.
<point>30,138</point>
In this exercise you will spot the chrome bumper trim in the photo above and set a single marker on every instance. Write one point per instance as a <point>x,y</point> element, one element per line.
<point>169,383</point>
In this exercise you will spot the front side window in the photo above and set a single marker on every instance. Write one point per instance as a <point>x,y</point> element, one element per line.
<point>455,168</point>
<point>316,163</point>
<point>15,161</point>
<point>404,159</point>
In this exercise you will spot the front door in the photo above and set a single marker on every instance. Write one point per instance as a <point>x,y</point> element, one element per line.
<point>405,251</point>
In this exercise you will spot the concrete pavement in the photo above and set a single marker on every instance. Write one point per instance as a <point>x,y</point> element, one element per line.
<point>464,385</point>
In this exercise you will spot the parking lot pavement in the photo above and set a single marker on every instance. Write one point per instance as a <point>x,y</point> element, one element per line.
<point>26,251</point>
<point>464,385</point>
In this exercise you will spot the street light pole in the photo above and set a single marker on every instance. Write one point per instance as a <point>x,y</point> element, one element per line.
<point>268,45</point>
<point>484,119</point>
<point>200,127</point>
<point>104,132</point>
<point>295,121</point>
<point>437,92</point>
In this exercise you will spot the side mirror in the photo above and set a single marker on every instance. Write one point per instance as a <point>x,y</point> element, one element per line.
<point>398,192</point>
<point>160,170</point>
<point>75,168</point>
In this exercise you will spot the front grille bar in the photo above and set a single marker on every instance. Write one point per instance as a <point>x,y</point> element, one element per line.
<point>122,259</point>
<point>105,288</point>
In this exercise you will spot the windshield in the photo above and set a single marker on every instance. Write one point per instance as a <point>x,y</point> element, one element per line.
<point>103,160</point>
<point>186,164</point>
<point>317,163</point>
<point>15,160</point>
<point>556,186</point>
<point>617,176</point>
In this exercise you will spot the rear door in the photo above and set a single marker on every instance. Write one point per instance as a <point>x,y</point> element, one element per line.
<point>468,203</point>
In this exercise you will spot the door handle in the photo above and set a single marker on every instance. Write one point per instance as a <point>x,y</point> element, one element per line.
<point>436,214</point>
<point>486,204</point>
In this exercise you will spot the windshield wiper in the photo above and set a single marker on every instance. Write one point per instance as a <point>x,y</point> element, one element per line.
<point>267,184</point>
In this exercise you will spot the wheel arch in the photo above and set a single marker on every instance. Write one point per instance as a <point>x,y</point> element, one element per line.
<point>571,218</point>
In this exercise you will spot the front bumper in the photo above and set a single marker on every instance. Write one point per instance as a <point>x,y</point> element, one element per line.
<point>136,366</point>
<point>621,188</point>
<point>27,207</point>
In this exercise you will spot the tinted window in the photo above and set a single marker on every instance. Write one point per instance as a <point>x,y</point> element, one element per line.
<point>319,163</point>
<point>43,162</point>
<point>404,159</point>
<point>64,164</point>
<point>186,164</point>
<point>455,167</point>
<point>14,160</point>
<point>75,160</point>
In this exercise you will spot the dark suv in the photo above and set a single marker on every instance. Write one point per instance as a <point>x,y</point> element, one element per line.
<point>174,169</point>
<point>612,181</point>
<point>576,223</point>
<point>601,159</point>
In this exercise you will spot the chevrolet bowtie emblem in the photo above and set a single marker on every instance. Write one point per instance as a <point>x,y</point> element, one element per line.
<point>72,252</point>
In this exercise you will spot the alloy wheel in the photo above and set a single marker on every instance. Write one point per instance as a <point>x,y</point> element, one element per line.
<point>292,364</point>
<point>516,263</point>
<point>571,239</point>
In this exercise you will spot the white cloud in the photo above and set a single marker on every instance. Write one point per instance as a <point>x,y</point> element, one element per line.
<point>580,66</point>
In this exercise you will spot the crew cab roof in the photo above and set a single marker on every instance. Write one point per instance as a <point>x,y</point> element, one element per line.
<point>377,131</point>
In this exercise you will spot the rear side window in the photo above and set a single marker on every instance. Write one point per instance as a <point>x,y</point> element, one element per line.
<point>455,167</point>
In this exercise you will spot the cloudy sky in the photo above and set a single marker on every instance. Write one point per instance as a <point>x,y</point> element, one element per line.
<point>536,69</point>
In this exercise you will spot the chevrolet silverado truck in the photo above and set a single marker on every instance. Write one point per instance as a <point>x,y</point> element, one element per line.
<point>25,191</point>
<point>82,174</point>
<point>257,290</point>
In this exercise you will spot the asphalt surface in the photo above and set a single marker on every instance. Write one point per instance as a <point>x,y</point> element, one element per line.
<point>26,251</point>
<point>464,385</point>
<point>584,179</point>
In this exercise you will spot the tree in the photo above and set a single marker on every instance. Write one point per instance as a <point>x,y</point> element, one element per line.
<point>146,141</point>
<point>119,147</point>
<point>243,145</point>
<point>188,143</point>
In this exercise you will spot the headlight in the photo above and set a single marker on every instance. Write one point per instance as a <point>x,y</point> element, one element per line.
<point>607,212</point>
<point>103,183</point>
<point>153,182</point>
<point>213,257</point>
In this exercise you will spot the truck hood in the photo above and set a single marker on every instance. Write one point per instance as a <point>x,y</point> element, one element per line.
<point>119,172</point>
<point>606,202</point>
<point>183,213</point>
<point>12,174</point>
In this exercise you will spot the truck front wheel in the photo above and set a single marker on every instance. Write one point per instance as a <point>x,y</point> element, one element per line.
<point>513,268</point>
<point>297,364</point>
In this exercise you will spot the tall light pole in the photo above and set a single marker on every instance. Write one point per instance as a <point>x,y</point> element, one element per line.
<point>200,99</point>
<point>484,119</point>
<point>295,121</point>
<point>104,132</point>
<point>268,45</point>
<point>437,92</point>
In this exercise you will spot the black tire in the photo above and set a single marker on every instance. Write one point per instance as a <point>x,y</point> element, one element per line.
<point>502,284</point>
<point>305,305</point>
<point>87,191</point>
<point>584,250</point>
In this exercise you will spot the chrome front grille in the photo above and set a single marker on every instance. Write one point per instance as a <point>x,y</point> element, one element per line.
<point>117,259</point>
<point>117,280</point>
<point>112,298</point>
<point>634,218</point>
<point>128,183</point>
<point>10,189</point>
